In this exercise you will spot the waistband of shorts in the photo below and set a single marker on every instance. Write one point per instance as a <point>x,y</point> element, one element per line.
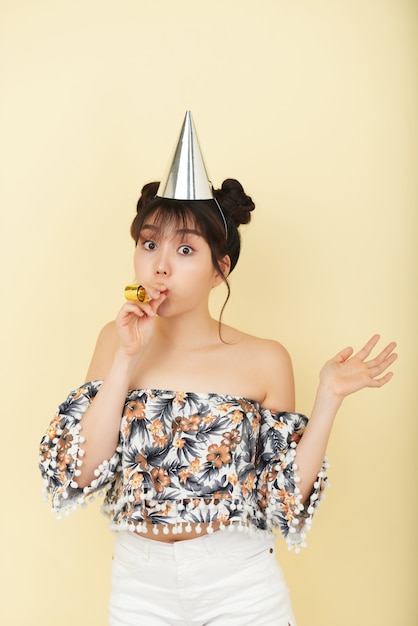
<point>209,544</point>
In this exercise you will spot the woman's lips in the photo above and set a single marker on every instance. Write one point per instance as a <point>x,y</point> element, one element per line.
<point>161,288</point>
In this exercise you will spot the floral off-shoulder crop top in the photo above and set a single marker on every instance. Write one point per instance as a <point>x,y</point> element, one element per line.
<point>186,458</point>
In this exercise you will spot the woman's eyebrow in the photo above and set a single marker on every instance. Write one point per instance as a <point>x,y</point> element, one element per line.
<point>178,232</point>
<point>189,231</point>
<point>149,227</point>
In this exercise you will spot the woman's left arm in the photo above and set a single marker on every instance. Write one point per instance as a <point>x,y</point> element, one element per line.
<point>343,375</point>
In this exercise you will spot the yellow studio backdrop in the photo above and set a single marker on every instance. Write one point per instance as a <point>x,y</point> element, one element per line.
<point>312,105</point>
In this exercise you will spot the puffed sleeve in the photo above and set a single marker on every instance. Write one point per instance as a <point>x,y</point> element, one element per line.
<point>277,491</point>
<point>60,455</point>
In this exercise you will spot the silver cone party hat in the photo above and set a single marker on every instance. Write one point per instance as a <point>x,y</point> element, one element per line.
<point>187,178</point>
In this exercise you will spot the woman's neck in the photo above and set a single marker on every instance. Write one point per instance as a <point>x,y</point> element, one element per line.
<point>187,332</point>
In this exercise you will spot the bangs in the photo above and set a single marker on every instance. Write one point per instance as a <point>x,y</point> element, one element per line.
<point>169,218</point>
<point>168,215</point>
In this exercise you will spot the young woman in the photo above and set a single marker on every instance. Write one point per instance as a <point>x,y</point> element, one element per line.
<point>189,427</point>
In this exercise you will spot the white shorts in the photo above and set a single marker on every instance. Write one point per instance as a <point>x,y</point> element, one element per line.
<point>223,579</point>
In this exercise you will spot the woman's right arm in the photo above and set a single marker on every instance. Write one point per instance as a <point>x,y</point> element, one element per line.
<point>100,424</point>
<point>115,358</point>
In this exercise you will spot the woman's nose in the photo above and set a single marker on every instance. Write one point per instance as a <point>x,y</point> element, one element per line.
<point>162,259</point>
<point>162,263</point>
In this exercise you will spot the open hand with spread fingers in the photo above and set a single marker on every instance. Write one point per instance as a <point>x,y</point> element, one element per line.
<point>347,373</point>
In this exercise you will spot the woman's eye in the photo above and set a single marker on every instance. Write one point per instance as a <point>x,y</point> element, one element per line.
<point>185,250</point>
<point>150,245</point>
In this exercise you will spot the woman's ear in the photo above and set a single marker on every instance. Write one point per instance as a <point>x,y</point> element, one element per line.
<point>225,265</point>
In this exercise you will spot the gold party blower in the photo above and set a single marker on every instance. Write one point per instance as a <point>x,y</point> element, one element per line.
<point>136,293</point>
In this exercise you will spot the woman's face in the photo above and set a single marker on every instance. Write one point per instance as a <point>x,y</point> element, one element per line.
<point>175,260</point>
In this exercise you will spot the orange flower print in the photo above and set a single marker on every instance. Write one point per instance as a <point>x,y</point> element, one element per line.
<point>188,424</point>
<point>288,502</point>
<point>209,419</point>
<point>155,427</point>
<point>179,443</point>
<point>180,425</point>
<point>249,482</point>
<point>64,461</point>
<point>136,480</point>
<point>166,510</point>
<point>179,399</point>
<point>218,455</point>
<point>263,497</point>
<point>134,410</point>
<point>65,441</point>
<point>194,466</point>
<point>161,479</point>
<point>52,431</point>
<point>81,391</point>
<point>233,479</point>
<point>142,461</point>
<point>232,439</point>
<point>217,496</point>
<point>184,475</point>
<point>237,416</point>
<point>195,421</point>
<point>246,406</point>
<point>162,441</point>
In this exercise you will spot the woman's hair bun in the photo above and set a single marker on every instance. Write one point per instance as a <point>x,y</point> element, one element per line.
<point>148,193</point>
<point>234,201</point>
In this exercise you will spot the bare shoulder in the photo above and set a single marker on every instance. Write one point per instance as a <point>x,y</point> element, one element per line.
<point>270,367</point>
<point>263,348</point>
<point>104,352</point>
<point>272,352</point>
<point>277,371</point>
